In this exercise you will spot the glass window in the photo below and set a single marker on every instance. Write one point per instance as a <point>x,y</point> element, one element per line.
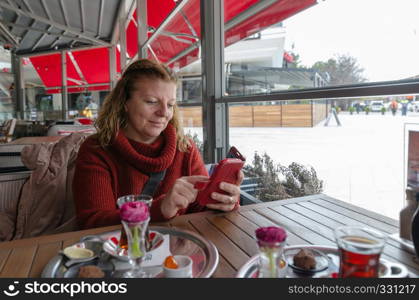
<point>360,162</point>
<point>309,44</point>
<point>191,120</point>
<point>177,45</point>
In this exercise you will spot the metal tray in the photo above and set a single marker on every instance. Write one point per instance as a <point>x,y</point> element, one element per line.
<point>387,269</point>
<point>182,242</point>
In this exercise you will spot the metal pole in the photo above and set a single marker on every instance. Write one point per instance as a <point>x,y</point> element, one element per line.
<point>19,89</point>
<point>142,27</point>
<point>64,92</point>
<point>214,115</point>
<point>112,66</point>
<point>122,38</point>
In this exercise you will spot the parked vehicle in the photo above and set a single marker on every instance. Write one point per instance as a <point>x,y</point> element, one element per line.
<point>376,106</point>
<point>414,106</point>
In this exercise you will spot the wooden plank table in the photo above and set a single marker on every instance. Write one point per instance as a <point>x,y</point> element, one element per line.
<point>308,220</point>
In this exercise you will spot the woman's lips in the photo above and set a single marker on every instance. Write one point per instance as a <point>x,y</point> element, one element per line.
<point>157,124</point>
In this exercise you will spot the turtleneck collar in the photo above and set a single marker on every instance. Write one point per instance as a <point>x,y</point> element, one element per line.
<point>148,158</point>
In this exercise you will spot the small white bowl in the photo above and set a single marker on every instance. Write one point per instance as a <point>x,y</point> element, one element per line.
<point>78,253</point>
<point>184,269</point>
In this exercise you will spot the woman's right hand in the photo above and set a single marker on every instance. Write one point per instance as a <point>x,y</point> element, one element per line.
<point>180,195</point>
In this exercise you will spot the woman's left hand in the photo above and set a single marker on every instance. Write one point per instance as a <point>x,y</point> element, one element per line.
<point>227,202</point>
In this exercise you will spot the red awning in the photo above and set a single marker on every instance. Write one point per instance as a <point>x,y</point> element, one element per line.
<point>46,66</point>
<point>176,46</point>
<point>169,49</point>
<point>93,65</point>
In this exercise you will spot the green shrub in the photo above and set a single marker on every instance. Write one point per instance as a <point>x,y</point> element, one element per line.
<point>281,182</point>
<point>275,181</point>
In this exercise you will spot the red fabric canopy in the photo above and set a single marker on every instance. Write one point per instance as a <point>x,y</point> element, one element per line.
<point>93,64</point>
<point>168,47</point>
<point>46,66</point>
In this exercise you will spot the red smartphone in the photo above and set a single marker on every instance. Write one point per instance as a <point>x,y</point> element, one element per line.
<point>234,153</point>
<point>226,170</point>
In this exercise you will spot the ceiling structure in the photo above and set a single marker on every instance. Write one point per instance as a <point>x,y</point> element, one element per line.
<point>39,25</point>
<point>89,30</point>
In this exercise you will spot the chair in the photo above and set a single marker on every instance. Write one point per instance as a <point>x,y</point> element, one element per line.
<point>41,203</point>
<point>7,130</point>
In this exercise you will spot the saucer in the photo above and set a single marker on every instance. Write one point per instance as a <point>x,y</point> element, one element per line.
<point>322,261</point>
<point>81,252</point>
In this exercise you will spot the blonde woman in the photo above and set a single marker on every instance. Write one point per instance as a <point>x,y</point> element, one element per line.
<point>139,133</point>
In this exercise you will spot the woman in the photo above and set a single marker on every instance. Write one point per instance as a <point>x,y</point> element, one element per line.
<point>139,133</point>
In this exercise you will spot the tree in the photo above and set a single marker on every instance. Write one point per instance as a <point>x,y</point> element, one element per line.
<point>343,69</point>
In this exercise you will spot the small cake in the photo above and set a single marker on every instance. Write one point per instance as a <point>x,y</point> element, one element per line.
<point>91,272</point>
<point>305,259</point>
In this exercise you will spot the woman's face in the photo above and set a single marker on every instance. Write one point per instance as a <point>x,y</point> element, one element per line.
<point>149,109</point>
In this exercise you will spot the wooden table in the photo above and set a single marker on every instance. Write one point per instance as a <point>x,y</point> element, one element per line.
<point>308,220</point>
<point>28,140</point>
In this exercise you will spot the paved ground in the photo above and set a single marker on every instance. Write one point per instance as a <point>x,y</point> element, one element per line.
<point>361,162</point>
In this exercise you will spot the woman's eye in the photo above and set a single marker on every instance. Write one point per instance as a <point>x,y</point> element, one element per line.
<point>150,101</point>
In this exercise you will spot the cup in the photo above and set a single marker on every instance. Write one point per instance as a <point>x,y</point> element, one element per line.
<point>123,241</point>
<point>184,269</point>
<point>360,249</point>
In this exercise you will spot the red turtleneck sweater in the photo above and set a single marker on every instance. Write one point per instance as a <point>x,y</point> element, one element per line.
<point>103,175</point>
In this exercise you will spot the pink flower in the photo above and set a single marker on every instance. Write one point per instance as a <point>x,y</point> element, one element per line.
<point>134,212</point>
<point>271,234</point>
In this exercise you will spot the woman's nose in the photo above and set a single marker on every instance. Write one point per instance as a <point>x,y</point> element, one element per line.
<point>163,110</point>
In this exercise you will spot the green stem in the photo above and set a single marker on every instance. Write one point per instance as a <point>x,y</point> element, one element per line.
<point>136,250</point>
<point>272,263</point>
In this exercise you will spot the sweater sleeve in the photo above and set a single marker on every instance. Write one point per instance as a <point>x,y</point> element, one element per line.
<point>92,189</point>
<point>197,167</point>
<point>194,166</point>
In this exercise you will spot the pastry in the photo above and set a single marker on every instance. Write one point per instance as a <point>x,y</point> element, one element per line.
<point>305,259</point>
<point>91,271</point>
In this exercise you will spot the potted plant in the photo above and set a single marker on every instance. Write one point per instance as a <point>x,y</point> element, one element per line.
<point>367,109</point>
<point>383,110</point>
<point>351,110</point>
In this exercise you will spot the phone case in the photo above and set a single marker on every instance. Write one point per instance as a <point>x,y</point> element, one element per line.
<point>226,171</point>
<point>234,153</point>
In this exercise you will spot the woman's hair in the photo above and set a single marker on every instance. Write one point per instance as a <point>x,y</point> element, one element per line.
<point>112,115</point>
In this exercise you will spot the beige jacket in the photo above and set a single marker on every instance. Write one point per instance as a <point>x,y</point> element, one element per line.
<point>46,202</point>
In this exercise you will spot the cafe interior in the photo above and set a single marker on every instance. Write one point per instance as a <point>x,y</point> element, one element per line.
<point>235,73</point>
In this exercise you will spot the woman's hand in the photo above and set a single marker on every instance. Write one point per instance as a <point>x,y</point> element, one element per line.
<point>180,195</point>
<point>227,202</point>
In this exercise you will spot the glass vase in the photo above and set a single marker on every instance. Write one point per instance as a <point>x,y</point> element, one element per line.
<point>136,233</point>
<point>123,241</point>
<point>271,260</point>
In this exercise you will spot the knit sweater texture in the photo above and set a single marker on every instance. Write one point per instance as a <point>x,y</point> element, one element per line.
<point>104,174</point>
